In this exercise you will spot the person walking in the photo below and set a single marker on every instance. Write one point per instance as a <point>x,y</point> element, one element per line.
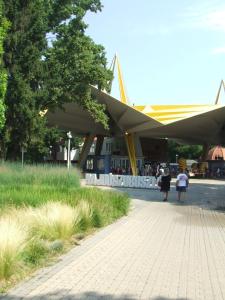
<point>181,183</point>
<point>164,183</point>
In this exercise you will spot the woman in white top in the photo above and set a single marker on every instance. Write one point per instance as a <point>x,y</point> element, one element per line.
<point>181,183</point>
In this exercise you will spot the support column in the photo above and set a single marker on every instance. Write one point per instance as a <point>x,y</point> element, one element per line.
<point>138,147</point>
<point>99,143</point>
<point>205,151</point>
<point>129,138</point>
<point>85,150</point>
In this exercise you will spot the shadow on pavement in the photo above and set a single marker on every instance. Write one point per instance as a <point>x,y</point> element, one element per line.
<point>203,202</point>
<point>64,295</point>
<point>208,196</point>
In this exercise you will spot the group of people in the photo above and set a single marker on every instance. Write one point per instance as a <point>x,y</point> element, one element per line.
<point>164,180</point>
<point>150,169</point>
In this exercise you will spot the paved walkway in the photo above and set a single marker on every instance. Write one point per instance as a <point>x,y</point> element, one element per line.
<point>160,251</point>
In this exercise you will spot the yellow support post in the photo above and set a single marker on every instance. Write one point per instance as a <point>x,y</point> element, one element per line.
<point>129,138</point>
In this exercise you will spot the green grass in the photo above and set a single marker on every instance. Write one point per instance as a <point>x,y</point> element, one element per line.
<point>53,211</point>
<point>35,185</point>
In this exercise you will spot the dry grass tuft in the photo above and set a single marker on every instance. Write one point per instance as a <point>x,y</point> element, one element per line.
<point>13,239</point>
<point>53,221</point>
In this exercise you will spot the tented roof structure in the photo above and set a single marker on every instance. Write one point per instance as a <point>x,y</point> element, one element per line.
<point>193,124</point>
<point>187,123</point>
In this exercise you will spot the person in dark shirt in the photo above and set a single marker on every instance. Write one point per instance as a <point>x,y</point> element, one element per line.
<point>164,182</point>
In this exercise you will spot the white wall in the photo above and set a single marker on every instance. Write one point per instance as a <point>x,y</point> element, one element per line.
<point>62,155</point>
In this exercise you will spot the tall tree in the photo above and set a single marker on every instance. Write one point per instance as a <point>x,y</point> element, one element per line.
<point>77,60</point>
<point>24,46</point>
<point>42,76</point>
<point>4,24</point>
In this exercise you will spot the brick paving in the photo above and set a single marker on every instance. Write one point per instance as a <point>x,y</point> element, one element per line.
<point>160,251</point>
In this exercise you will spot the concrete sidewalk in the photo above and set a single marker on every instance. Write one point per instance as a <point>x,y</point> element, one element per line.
<point>160,251</point>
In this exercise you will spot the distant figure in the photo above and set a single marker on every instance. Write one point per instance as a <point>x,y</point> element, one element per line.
<point>181,183</point>
<point>164,183</point>
<point>218,173</point>
<point>159,171</point>
<point>154,173</point>
<point>187,172</point>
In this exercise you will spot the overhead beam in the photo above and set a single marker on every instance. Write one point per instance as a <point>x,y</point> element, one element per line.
<point>120,118</point>
<point>138,127</point>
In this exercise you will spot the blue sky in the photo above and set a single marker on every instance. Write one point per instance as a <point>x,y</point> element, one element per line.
<point>171,52</point>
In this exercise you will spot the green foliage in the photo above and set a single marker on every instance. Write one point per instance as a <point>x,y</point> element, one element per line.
<point>185,151</point>
<point>82,63</point>
<point>4,24</point>
<point>45,75</point>
<point>35,251</point>
<point>96,219</point>
<point>23,47</point>
<point>108,205</point>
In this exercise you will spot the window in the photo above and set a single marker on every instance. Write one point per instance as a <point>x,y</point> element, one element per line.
<point>90,164</point>
<point>108,147</point>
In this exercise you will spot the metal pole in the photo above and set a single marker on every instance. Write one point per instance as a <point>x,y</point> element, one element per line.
<point>68,155</point>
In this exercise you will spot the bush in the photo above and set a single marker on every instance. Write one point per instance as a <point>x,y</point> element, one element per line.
<point>35,251</point>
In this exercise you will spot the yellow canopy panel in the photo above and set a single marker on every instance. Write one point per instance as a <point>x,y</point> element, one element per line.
<point>167,114</point>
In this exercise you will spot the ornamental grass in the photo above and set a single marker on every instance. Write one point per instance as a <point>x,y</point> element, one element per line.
<point>54,220</point>
<point>43,210</point>
<point>13,238</point>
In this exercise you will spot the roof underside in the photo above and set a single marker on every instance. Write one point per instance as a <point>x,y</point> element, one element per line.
<point>187,123</point>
